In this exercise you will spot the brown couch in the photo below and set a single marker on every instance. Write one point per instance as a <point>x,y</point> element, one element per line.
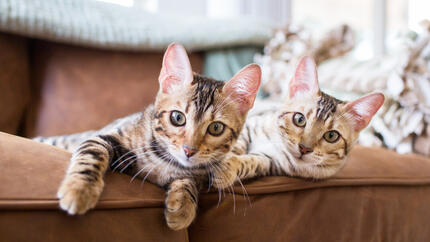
<point>51,89</point>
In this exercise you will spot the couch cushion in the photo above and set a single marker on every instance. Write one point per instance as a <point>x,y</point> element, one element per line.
<point>14,82</point>
<point>379,196</point>
<point>365,166</point>
<point>77,88</point>
<point>30,175</point>
<point>33,171</point>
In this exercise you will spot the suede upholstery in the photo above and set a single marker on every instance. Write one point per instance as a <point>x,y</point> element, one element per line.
<point>378,196</point>
<point>14,82</point>
<point>57,89</point>
<point>29,208</point>
<point>77,89</point>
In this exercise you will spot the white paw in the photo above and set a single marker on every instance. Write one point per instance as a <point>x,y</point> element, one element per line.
<point>77,196</point>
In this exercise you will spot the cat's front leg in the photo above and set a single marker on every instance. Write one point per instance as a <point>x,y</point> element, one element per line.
<point>239,167</point>
<point>181,203</point>
<point>83,183</point>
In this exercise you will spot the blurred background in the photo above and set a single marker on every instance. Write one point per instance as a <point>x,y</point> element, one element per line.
<point>375,22</point>
<point>74,65</point>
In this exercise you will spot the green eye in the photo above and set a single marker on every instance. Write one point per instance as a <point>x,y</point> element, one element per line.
<point>331,136</point>
<point>177,118</point>
<point>299,120</point>
<point>216,128</point>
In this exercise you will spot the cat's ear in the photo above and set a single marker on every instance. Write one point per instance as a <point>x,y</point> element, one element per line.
<point>305,80</point>
<point>361,111</point>
<point>176,69</point>
<point>243,86</point>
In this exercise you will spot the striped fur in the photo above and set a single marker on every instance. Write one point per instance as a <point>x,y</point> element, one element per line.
<point>139,146</point>
<point>268,144</point>
<point>271,144</point>
<point>151,146</point>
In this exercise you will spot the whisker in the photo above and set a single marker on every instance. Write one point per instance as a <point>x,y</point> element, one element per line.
<point>140,171</point>
<point>219,197</point>
<point>210,178</point>
<point>119,158</point>
<point>220,191</point>
<point>131,157</point>
<point>143,169</point>
<point>234,199</point>
<point>244,191</point>
<point>146,176</point>
<point>131,151</point>
<point>126,166</point>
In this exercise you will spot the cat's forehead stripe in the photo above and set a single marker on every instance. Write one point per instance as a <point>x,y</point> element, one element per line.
<point>204,93</point>
<point>326,106</point>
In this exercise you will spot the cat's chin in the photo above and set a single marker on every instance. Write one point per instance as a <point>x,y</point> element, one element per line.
<point>183,160</point>
<point>314,171</point>
<point>189,163</point>
<point>317,170</point>
<point>306,159</point>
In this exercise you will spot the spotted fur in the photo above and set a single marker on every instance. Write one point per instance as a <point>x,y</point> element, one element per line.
<point>150,146</point>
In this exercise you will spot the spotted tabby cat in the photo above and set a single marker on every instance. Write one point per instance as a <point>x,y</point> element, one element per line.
<point>176,142</point>
<point>309,135</point>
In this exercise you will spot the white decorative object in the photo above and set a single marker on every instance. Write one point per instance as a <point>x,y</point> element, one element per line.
<point>287,45</point>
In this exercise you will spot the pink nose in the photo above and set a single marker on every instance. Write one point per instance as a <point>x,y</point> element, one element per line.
<point>304,149</point>
<point>189,151</point>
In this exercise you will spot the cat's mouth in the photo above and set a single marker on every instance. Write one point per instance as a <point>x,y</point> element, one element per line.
<point>306,158</point>
<point>170,156</point>
<point>184,160</point>
<point>309,160</point>
<point>194,162</point>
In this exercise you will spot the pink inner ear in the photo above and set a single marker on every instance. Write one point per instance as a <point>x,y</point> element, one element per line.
<point>244,85</point>
<point>305,78</point>
<point>298,87</point>
<point>176,67</point>
<point>362,110</point>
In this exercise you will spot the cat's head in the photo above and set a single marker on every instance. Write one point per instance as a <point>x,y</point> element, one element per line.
<point>320,130</point>
<point>198,119</point>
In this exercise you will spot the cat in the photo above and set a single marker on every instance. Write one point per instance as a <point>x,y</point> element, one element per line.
<point>174,143</point>
<point>308,135</point>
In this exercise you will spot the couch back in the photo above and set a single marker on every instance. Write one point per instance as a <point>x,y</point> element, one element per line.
<point>55,89</point>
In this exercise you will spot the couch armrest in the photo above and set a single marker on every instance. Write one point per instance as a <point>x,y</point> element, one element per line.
<point>378,196</point>
<point>29,177</point>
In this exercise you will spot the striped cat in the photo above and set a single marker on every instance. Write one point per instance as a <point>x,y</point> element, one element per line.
<point>308,135</point>
<point>175,143</point>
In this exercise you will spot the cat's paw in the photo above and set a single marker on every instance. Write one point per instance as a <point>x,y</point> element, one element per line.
<point>180,210</point>
<point>77,196</point>
<point>226,175</point>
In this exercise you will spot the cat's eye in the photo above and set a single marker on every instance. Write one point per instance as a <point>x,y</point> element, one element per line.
<point>299,120</point>
<point>177,118</point>
<point>331,136</point>
<point>216,128</point>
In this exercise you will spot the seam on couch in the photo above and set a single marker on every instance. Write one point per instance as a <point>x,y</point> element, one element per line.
<point>36,204</point>
<point>256,189</point>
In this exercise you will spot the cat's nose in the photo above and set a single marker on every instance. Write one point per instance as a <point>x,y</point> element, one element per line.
<point>305,149</point>
<point>189,151</point>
